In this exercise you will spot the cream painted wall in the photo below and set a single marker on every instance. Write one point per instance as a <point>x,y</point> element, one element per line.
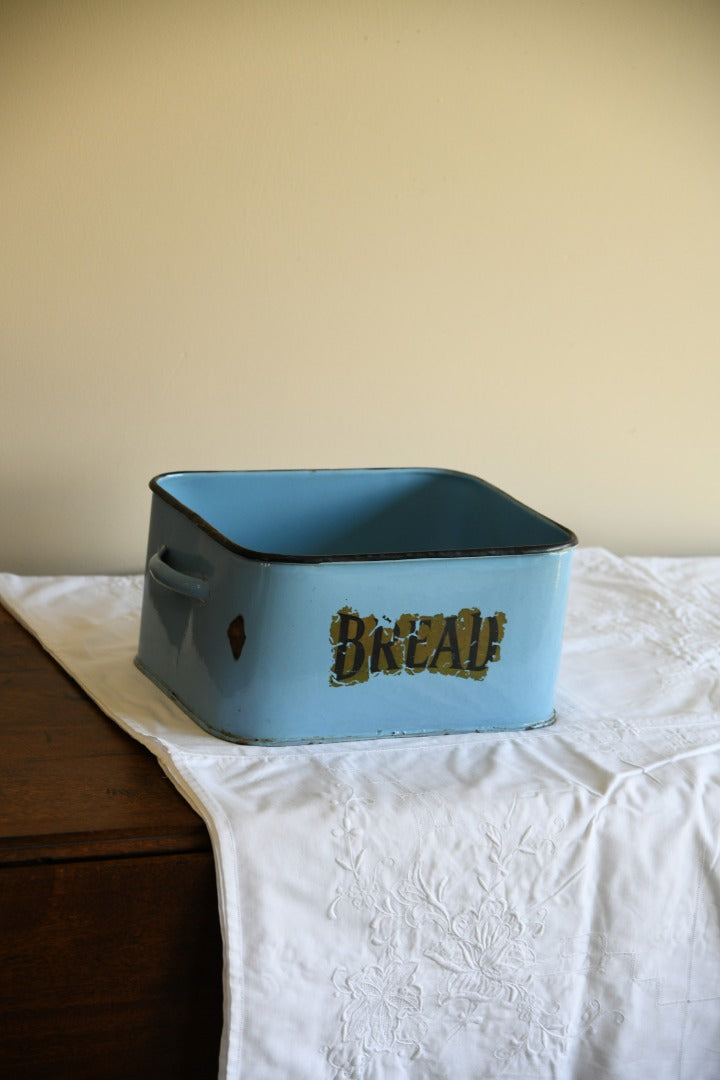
<point>480,235</point>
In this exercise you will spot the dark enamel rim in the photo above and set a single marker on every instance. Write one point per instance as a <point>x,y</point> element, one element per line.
<point>389,556</point>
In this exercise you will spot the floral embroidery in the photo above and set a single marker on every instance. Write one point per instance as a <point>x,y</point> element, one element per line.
<point>486,953</point>
<point>442,965</point>
<point>383,1007</point>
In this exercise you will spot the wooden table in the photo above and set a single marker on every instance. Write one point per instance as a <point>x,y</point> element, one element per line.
<point>110,948</point>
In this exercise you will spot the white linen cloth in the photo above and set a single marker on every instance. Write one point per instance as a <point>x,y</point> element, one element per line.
<point>535,904</point>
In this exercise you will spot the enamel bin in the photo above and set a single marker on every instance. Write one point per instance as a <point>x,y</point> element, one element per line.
<point>303,606</point>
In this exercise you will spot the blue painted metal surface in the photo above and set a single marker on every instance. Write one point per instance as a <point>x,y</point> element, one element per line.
<point>301,606</point>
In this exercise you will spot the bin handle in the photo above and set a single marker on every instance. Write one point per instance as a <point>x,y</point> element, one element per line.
<point>194,588</point>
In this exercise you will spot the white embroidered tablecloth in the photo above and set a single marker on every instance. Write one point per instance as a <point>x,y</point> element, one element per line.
<point>537,904</point>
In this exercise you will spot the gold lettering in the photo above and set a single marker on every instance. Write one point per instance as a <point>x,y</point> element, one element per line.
<point>462,645</point>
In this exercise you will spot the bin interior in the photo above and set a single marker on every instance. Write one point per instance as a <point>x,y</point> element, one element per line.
<point>336,513</point>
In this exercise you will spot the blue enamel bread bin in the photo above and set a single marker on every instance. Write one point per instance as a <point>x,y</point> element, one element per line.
<point>304,606</point>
